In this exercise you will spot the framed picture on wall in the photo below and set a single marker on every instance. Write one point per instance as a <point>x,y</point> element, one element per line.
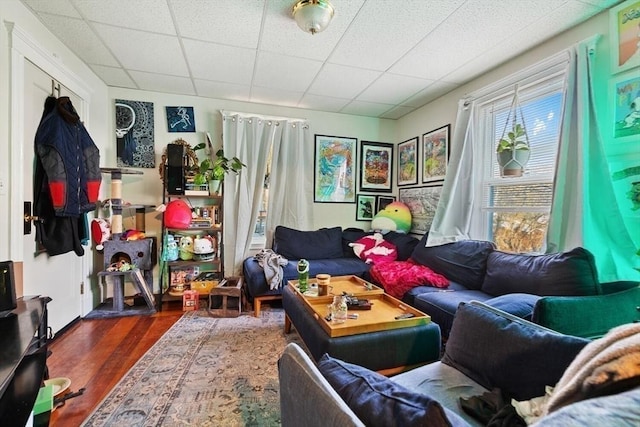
<point>422,202</point>
<point>625,103</point>
<point>334,177</point>
<point>180,119</point>
<point>435,154</point>
<point>383,201</point>
<point>624,26</point>
<point>364,207</point>
<point>376,166</point>
<point>408,162</point>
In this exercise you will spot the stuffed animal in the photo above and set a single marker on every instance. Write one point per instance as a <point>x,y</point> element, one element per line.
<point>203,245</point>
<point>186,248</point>
<point>374,249</point>
<point>394,217</point>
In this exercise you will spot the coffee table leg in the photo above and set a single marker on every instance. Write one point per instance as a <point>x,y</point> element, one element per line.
<point>287,324</point>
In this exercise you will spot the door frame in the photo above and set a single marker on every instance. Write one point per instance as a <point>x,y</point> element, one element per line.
<point>24,47</point>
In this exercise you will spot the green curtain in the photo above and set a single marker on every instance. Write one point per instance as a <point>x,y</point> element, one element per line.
<point>584,211</point>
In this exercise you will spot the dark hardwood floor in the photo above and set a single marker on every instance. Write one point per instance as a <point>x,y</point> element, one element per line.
<point>96,353</point>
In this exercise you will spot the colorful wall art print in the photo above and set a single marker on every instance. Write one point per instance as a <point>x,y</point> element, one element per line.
<point>626,92</point>
<point>624,26</point>
<point>334,175</point>
<point>180,119</point>
<point>408,162</point>
<point>422,203</point>
<point>134,134</point>
<point>377,165</point>
<point>435,154</point>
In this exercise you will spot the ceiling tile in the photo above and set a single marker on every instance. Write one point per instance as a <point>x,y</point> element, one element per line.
<point>222,90</point>
<point>163,83</point>
<point>383,31</point>
<point>265,95</point>
<point>81,39</point>
<point>393,89</point>
<point>142,51</point>
<point>433,91</point>
<point>59,7</point>
<point>113,76</point>
<point>285,72</point>
<point>397,112</point>
<point>230,22</point>
<point>142,15</point>
<point>342,81</point>
<point>363,108</point>
<point>217,62</point>
<point>323,103</point>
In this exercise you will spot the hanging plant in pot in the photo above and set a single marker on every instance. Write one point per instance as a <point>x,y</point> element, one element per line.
<point>513,151</point>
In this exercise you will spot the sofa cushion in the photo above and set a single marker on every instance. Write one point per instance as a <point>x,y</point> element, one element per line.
<point>492,347</point>
<point>325,243</point>
<point>405,244</point>
<point>377,400</point>
<point>520,305</point>
<point>463,262</point>
<point>350,235</point>
<point>374,249</point>
<point>566,273</point>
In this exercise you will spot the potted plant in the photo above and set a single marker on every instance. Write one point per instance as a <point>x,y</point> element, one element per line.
<point>213,171</point>
<point>513,151</point>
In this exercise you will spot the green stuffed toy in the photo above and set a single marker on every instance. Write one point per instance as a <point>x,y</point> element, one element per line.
<point>394,217</point>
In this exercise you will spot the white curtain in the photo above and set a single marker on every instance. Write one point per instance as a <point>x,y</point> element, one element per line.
<point>291,189</point>
<point>458,206</point>
<point>584,210</point>
<point>250,138</point>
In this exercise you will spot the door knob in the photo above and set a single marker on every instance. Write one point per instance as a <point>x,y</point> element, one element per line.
<point>34,218</point>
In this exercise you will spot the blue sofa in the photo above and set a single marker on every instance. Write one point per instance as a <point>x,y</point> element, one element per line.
<point>489,353</point>
<point>327,251</point>
<point>528,286</point>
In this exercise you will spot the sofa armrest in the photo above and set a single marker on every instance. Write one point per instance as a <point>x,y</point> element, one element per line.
<point>588,316</point>
<point>619,286</point>
<point>306,397</point>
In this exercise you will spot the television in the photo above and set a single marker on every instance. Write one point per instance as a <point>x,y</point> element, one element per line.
<point>7,289</point>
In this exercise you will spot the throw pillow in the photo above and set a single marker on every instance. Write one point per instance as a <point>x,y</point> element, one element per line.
<point>378,400</point>
<point>350,235</point>
<point>325,243</point>
<point>498,350</point>
<point>405,243</point>
<point>463,262</point>
<point>374,249</point>
<point>565,273</point>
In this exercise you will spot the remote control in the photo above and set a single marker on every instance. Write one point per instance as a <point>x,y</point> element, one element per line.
<point>405,316</point>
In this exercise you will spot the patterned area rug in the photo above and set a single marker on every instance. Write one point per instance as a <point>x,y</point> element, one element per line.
<point>203,371</point>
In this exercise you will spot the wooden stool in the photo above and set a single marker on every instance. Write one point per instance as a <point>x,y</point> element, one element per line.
<point>228,287</point>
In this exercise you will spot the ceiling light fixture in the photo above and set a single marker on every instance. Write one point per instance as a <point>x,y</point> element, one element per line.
<point>313,16</point>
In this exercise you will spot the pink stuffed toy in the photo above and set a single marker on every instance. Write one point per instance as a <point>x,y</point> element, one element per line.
<point>374,249</point>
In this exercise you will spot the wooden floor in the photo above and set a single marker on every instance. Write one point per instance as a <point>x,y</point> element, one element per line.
<point>96,353</point>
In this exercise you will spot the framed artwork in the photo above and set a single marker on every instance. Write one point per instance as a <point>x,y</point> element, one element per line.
<point>180,119</point>
<point>364,207</point>
<point>422,202</point>
<point>376,166</point>
<point>625,94</point>
<point>334,172</point>
<point>383,201</point>
<point>408,162</point>
<point>435,154</point>
<point>134,134</point>
<point>624,25</point>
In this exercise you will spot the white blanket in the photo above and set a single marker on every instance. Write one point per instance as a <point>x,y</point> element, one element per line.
<point>272,264</point>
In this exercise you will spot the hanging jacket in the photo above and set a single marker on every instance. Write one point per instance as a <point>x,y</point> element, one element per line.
<point>69,157</point>
<point>55,233</point>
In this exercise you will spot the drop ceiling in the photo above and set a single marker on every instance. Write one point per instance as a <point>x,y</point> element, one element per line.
<point>377,58</point>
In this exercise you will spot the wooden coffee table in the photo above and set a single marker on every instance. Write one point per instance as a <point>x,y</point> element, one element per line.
<point>376,339</point>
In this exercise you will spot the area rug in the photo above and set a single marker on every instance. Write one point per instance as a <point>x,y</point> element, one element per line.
<point>204,371</point>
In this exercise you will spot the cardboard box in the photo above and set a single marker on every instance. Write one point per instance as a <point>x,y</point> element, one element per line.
<point>190,300</point>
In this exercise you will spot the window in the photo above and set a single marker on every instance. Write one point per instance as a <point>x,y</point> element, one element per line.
<point>515,209</point>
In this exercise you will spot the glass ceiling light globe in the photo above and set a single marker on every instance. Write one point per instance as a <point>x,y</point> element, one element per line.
<point>313,16</point>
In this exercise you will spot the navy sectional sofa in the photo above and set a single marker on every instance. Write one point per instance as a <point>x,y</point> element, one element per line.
<point>327,251</point>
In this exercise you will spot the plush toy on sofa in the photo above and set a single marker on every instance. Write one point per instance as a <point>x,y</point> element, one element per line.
<point>374,249</point>
<point>394,217</point>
